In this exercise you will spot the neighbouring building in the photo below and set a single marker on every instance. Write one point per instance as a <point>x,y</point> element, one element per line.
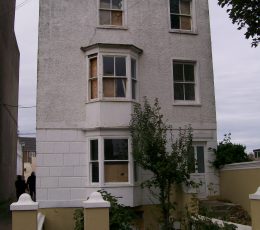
<point>19,164</point>
<point>9,82</point>
<point>29,155</point>
<point>96,59</point>
<point>256,154</point>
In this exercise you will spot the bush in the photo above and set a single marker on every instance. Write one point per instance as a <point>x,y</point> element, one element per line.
<point>227,153</point>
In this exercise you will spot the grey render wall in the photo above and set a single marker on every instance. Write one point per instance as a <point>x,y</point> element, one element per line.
<point>62,116</point>
<point>9,82</point>
<point>65,26</point>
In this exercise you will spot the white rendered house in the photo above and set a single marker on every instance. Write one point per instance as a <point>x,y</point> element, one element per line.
<point>96,59</point>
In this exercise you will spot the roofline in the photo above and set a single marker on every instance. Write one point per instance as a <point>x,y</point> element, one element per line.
<point>111,45</point>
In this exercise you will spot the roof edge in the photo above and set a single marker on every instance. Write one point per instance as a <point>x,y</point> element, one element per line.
<point>113,45</point>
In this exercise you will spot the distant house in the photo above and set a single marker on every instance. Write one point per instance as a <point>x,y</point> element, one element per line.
<point>9,82</point>
<point>19,165</point>
<point>256,153</point>
<point>29,155</point>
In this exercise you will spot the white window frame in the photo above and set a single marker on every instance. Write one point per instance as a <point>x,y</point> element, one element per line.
<point>195,102</point>
<point>110,26</point>
<point>101,161</point>
<point>100,97</point>
<point>93,161</point>
<point>193,20</point>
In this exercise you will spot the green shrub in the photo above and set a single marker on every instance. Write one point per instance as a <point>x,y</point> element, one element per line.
<point>228,153</point>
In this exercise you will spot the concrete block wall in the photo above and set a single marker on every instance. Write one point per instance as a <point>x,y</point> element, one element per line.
<point>61,165</point>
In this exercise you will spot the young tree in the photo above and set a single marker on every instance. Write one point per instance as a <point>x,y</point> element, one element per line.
<point>169,168</point>
<point>227,152</point>
<point>246,14</point>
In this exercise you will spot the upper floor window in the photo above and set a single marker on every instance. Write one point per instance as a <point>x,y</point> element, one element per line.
<point>117,77</point>
<point>114,76</point>
<point>111,12</point>
<point>112,71</point>
<point>184,81</point>
<point>181,14</point>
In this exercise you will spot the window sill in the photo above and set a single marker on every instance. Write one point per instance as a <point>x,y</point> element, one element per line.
<point>112,27</point>
<point>196,104</point>
<point>183,32</point>
<point>112,100</point>
<point>111,185</point>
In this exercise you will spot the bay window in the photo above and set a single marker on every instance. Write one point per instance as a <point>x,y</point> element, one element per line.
<point>114,76</point>
<point>94,163</point>
<point>115,160</point>
<point>111,163</point>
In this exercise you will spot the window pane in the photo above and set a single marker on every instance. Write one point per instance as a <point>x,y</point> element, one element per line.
<point>104,17</point>
<point>117,4</point>
<point>94,172</point>
<point>120,66</point>
<point>133,68</point>
<point>133,89</point>
<point>93,67</point>
<point>174,6</point>
<point>185,23</point>
<point>116,149</point>
<point>185,7</point>
<point>189,92</point>
<point>175,21</point>
<point>93,89</point>
<point>105,4</point>
<point>108,66</point>
<point>108,87</point>
<point>120,87</point>
<point>178,72</point>
<point>189,73</point>
<point>178,91</point>
<point>94,150</point>
<point>200,159</point>
<point>116,171</point>
<point>117,18</point>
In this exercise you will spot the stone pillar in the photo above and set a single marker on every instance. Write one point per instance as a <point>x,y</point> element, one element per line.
<point>96,213</point>
<point>255,209</point>
<point>24,213</point>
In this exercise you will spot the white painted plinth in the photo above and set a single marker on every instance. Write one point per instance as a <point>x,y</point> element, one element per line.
<point>25,202</point>
<point>96,201</point>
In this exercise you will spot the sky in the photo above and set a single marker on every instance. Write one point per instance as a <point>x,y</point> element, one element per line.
<point>236,74</point>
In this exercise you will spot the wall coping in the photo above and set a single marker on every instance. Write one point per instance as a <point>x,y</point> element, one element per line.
<point>96,201</point>
<point>243,165</point>
<point>256,195</point>
<point>24,203</point>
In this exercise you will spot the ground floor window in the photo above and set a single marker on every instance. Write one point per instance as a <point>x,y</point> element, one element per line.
<point>110,163</point>
<point>198,164</point>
